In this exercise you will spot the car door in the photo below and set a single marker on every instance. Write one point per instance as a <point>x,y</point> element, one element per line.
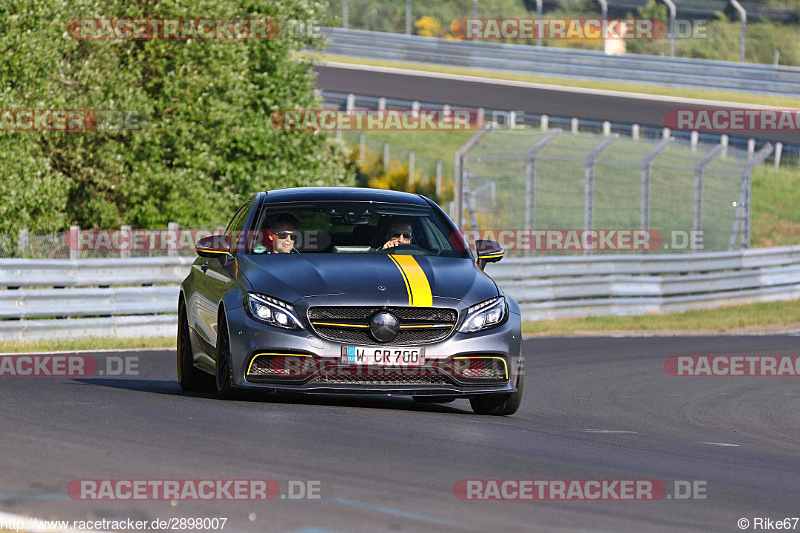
<point>214,277</point>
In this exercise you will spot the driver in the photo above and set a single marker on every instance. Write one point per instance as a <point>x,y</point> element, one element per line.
<point>284,227</point>
<point>399,232</point>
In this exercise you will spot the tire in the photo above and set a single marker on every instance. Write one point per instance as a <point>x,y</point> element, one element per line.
<point>190,378</point>
<point>498,404</point>
<point>434,399</point>
<point>224,376</point>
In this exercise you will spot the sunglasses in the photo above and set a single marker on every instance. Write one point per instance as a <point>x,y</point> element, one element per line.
<point>398,234</point>
<point>284,234</point>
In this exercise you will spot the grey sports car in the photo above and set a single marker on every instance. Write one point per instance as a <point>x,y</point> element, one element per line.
<point>349,291</point>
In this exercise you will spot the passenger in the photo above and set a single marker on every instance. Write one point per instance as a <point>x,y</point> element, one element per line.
<point>284,229</point>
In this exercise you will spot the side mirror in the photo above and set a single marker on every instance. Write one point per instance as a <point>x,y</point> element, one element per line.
<point>488,252</point>
<point>213,246</point>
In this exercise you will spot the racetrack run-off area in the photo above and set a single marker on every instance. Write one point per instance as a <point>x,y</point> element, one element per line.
<point>594,408</point>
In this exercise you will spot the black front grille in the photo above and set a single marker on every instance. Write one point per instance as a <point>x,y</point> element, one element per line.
<point>408,316</point>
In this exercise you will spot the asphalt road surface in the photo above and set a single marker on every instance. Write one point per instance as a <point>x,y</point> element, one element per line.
<point>594,408</point>
<point>493,94</point>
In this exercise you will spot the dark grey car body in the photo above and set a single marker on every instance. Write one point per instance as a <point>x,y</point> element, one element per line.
<point>213,295</point>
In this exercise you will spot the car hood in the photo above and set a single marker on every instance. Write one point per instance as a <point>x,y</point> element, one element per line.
<point>368,279</point>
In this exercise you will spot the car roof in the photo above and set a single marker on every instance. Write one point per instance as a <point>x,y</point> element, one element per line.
<point>347,194</point>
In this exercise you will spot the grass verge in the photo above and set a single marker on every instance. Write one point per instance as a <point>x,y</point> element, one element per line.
<point>748,317</point>
<point>679,92</point>
<point>93,343</point>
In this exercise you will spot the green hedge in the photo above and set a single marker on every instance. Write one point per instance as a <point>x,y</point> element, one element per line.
<point>208,142</point>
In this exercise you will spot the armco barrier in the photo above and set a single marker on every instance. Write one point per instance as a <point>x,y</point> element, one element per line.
<point>572,287</point>
<point>587,64</point>
<point>47,299</point>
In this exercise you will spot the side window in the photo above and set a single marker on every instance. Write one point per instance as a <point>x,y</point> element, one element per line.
<point>234,231</point>
<point>237,222</point>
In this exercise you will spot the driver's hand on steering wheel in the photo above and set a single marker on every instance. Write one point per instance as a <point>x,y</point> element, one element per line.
<point>392,244</point>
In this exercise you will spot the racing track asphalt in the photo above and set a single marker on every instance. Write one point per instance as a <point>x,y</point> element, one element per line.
<point>493,94</point>
<point>389,464</point>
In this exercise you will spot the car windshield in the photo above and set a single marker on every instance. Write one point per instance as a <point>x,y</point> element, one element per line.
<point>361,228</point>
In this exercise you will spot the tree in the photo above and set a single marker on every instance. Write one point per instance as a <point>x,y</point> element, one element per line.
<point>206,140</point>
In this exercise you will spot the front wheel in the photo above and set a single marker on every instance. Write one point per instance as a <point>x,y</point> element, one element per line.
<point>190,378</point>
<point>224,376</point>
<point>498,404</point>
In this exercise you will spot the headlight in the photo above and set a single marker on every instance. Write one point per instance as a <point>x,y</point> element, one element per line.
<point>485,315</point>
<point>271,311</point>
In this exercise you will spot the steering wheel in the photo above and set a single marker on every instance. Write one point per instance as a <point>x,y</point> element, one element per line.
<point>407,248</point>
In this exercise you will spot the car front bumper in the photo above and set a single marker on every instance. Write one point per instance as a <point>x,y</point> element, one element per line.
<point>323,373</point>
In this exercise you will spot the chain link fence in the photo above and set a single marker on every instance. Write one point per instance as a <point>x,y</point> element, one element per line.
<point>559,193</point>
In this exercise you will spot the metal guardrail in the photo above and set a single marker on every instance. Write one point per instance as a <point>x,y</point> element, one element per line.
<point>587,64</point>
<point>77,298</point>
<point>572,287</point>
<point>47,299</point>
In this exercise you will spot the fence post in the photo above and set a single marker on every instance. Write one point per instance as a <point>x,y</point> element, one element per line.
<point>125,241</point>
<point>545,122</point>
<point>385,157</point>
<point>411,176</point>
<point>573,129</point>
<point>408,17</point>
<point>458,175</point>
<point>723,140</point>
<point>362,147</point>
<point>672,14</point>
<point>538,16</point>
<point>530,182</point>
<point>604,16</point>
<point>345,15</point>
<point>665,133</point>
<point>439,179</point>
<point>778,152</point>
<point>743,207</point>
<point>646,162</point>
<point>74,242</point>
<point>751,148</point>
<point>694,140</point>
<point>350,103</point>
<point>606,128</point>
<point>743,16</point>
<point>635,132</point>
<point>23,242</point>
<point>382,103</point>
<point>172,239</point>
<point>588,210</point>
<point>697,219</point>
<point>415,108</point>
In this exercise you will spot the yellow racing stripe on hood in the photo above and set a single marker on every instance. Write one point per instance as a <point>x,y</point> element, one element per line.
<point>417,285</point>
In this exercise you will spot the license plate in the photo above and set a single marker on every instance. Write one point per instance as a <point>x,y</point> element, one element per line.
<point>376,355</point>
